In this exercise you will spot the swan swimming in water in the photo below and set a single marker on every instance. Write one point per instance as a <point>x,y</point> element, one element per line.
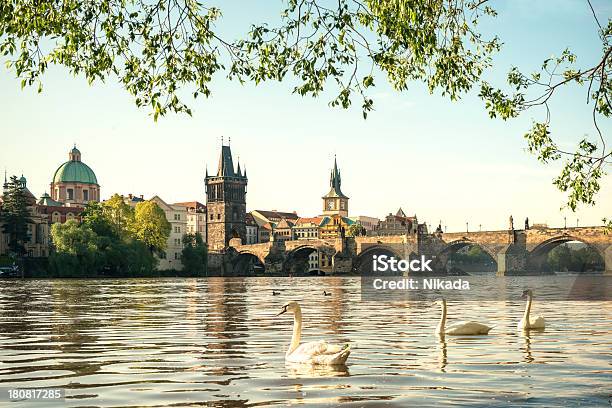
<point>526,323</point>
<point>315,352</point>
<point>461,328</point>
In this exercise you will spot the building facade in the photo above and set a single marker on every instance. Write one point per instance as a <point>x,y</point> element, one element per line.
<point>398,224</point>
<point>74,182</point>
<point>225,203</point>
<point>252,230</point>
<point>284,230</point>
<point>177,217</point>
<point>196,217</point>
<point>334,226</point>
<point>307,228</point>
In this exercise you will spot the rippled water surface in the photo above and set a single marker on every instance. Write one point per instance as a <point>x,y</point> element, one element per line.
<point>216,342</point>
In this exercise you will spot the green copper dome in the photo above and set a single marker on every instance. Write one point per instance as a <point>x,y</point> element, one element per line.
<point>75,171</point>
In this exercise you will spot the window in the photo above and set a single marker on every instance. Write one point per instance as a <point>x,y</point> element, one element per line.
<point>176,256</point>
<point>177,217</point>
<point>70,193</point>
<point>218,216</point>
<point>85,195</point>
<point>162,255</point>
<point>211,217</point>
<point>177,229</point>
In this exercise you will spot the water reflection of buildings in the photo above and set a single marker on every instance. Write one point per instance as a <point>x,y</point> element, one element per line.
<point>226,323</point>
<point>337,304</point>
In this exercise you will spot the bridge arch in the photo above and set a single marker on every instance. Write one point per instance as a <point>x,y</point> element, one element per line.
<point>539,254</point>
<point>363,262</point>
<point>453,247</point>
<point>247,263</point>
<point>298,261</point>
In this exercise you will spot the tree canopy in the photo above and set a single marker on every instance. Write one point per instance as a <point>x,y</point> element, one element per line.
<point>151,226</point>
<point>194,256</point>
<point>15,216</point>
<point>112,239</point>
<point>162,50</point>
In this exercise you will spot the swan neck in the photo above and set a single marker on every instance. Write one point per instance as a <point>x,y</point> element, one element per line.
<point>297,331</point>
<point>442,323</point>
<point>527,309</point>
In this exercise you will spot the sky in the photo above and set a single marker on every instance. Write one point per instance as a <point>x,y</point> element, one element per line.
<point>441,160</point>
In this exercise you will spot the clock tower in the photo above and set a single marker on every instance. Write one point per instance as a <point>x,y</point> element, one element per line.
<point>334,202</point>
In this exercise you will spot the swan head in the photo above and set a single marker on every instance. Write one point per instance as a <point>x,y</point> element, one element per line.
<point>291,307</point>
<point>440,301</point>
<point>527,293</point>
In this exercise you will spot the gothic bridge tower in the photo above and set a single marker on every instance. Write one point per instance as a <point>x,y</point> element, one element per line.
<point>225,202</point>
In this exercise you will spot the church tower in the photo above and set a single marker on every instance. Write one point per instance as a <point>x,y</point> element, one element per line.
<point>225,202</point>
<point>335,202</point>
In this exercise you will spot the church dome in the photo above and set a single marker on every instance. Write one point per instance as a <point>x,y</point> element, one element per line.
<point>75,171</point>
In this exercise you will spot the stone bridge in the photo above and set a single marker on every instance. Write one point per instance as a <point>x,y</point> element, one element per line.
<point>514,251</point>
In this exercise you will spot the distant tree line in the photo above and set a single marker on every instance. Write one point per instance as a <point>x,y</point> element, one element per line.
<point>568,258</point>
<point>113,239</point>
<point>471,255</point>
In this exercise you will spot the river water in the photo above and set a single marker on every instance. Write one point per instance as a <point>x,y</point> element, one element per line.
<point>215,342</point>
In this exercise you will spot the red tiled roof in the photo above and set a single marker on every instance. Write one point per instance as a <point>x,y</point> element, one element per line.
<point>191,204</point>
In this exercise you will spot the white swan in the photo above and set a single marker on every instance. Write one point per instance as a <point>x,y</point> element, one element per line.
<point>315,352</point>
<point>461,328</point>
<point>526,323</point>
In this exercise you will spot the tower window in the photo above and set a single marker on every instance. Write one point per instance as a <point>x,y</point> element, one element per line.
<point>85,195</point>
<point>70,194</point>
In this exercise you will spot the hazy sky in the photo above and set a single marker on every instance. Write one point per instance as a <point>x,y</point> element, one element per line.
<point>439,159</point>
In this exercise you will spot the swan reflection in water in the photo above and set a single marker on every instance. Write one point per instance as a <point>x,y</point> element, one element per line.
<point>442,353</point>
<point>527,348</point>
<point>299,370</point>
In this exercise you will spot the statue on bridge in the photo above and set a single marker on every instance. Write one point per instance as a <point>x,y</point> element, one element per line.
<point>511,223</point>
<point>527,223</point>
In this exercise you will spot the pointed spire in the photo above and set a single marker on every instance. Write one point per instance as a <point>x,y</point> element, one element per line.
<point>226,163</point>
<point>207,171</point>
<point>244,175</point>
<point>238,169</point>
<point>335,181</point>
